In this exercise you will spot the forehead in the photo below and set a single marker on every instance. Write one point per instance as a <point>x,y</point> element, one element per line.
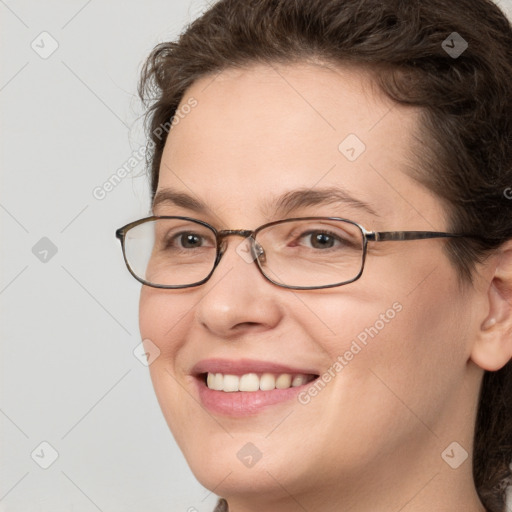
<point>265,129</point>
<point>290,109</point>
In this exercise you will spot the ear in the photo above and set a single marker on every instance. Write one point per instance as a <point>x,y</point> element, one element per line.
<point>493,345</point>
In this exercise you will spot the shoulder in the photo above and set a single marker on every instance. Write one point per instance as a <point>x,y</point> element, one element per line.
<point>222,506</point>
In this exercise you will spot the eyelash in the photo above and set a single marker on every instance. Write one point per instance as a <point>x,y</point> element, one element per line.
<point>177,236</point>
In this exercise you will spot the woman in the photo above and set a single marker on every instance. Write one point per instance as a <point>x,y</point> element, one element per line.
<point>312,140</point>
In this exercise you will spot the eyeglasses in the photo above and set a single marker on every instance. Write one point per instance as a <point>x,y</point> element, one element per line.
<point>304,253</point>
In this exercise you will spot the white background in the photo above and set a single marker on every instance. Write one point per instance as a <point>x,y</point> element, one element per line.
<point>69,324</point>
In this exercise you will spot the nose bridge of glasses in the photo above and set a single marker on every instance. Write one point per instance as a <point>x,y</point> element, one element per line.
<point>248,252</point>
<point>236,232</point>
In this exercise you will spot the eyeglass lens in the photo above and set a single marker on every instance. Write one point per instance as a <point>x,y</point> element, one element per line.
<point>179,252</point>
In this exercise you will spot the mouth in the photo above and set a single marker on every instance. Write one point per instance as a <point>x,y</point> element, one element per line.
<point>251,382</point>
<point>245,388</point>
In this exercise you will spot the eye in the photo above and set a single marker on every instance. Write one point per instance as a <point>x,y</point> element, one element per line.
<point>188,240</point>
<point>321,239</point>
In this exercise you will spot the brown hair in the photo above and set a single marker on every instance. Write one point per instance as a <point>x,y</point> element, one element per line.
<point>466,105</point>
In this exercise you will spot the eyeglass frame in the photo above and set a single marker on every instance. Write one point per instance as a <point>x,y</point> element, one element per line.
<point>220,235</point>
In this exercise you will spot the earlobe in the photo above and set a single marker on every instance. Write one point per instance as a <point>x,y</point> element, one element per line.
<point>488,323</point>
<point>492,348</point>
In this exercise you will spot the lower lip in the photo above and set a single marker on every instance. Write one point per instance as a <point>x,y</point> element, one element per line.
<point>244,403</point>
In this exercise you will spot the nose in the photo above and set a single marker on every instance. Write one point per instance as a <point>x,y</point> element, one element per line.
<point>237,298</point>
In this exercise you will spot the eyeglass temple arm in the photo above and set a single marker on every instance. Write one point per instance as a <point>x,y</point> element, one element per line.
<point>381,236</point>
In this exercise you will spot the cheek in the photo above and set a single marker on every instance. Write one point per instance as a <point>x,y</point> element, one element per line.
<point>163,316</point>
<point>391,353</point>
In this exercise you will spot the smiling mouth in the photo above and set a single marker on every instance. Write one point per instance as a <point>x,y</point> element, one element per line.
<point>252,382</point>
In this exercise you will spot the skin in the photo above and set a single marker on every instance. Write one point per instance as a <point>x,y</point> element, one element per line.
<point>376,432</point>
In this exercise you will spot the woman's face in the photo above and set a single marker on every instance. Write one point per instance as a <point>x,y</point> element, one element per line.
<point>398,334</point>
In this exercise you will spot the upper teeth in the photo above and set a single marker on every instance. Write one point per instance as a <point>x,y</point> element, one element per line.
<point>254,382</point>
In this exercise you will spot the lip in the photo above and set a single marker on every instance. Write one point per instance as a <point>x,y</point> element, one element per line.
<point>245,403</point>
<point>242,366</point>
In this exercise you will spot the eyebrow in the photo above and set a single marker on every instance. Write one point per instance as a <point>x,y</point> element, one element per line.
<point>281,205</point>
